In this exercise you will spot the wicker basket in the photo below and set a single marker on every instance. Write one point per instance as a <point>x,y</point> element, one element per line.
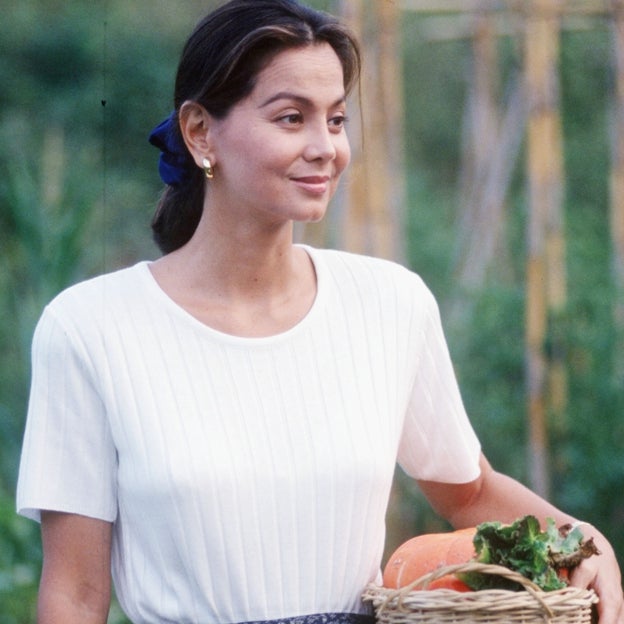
<point>533,606</point>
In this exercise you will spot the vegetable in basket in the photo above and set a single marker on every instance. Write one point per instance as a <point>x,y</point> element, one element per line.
<point>428,552</point>
<point>544,557</point>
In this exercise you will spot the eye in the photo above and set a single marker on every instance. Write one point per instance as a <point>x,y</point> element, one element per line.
<point>337,122</point>
<point>291,119</point>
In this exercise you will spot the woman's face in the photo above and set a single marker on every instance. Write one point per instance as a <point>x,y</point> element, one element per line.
<point>279,153</point>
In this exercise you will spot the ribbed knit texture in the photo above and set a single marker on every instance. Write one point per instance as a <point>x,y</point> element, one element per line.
<point>248,478</point>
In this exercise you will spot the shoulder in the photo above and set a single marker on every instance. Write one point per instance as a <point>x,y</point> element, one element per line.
<point>87,305</point>
<point>361,266</point>
<point>88,294</point>
<point>372,275</point>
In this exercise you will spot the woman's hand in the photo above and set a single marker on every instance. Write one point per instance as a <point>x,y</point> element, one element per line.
<point>602,574</point>
<point>495,496</point>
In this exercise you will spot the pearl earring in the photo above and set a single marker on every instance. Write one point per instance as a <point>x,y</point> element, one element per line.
<point>208,170</point>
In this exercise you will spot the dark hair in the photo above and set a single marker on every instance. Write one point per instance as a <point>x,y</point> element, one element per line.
<point>219,66</point>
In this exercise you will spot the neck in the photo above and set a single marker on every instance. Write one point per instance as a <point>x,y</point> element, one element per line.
<point>240,261</point>
<point>240,272</point>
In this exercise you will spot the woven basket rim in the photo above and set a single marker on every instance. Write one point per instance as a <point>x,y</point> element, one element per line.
<point>495,601</point>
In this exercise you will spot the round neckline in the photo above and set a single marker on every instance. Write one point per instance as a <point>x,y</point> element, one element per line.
<point>189,318</point>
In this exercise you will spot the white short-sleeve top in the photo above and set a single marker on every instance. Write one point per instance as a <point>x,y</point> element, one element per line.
<point>247,478</point>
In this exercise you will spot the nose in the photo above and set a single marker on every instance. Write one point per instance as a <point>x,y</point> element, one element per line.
<point>321,144</point>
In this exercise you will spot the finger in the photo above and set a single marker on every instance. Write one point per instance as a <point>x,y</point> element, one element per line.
<point>610,614</point>
<point>611,605</point>
<point>582,576</point>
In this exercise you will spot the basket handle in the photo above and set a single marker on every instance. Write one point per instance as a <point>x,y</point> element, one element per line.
<point>484,568</point>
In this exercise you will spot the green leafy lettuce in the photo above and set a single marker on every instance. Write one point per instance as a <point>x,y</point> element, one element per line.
<point>524,548</point>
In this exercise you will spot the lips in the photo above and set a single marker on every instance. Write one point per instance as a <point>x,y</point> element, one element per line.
<point>313,179</point>
<point>316,185</point>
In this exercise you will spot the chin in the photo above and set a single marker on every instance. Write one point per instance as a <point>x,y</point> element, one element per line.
<point>317,215</point>
<point>310,213</point>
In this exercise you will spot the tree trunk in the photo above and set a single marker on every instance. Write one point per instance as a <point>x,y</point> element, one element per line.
<point>546,282</point>
<point>617,189</point>
<point>493,139</point>
<point>375,191</point>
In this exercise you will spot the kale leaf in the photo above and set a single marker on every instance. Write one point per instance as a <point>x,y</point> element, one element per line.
<point>524,548</point>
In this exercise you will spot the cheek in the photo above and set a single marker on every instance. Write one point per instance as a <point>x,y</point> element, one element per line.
<point>343,154</point>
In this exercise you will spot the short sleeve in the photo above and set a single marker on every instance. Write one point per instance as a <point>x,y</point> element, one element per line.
<point>68,460</point>
<point>438,442</point>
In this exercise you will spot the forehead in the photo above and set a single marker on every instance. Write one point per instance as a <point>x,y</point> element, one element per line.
<point>311,69</point>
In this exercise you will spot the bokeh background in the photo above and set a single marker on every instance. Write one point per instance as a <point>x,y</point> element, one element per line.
<point>441,132</point>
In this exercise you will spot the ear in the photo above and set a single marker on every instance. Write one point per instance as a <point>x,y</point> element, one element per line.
<point>195,123</point>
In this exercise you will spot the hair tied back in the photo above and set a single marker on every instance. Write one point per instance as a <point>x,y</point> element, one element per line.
<point>175,164</point>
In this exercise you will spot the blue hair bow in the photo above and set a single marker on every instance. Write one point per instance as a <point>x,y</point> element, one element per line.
<point>175,164</point>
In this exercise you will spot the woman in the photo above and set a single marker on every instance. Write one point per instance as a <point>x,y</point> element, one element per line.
<point>221,425</point>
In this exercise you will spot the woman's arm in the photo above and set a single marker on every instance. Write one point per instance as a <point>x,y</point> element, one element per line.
<point>494,496</point>
<point>75,581</point>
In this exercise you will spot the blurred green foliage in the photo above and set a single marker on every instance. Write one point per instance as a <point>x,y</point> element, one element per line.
<point>83,84</point>
<point>587,444</point>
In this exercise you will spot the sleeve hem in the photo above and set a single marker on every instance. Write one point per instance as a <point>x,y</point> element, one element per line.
<point>34,513</point>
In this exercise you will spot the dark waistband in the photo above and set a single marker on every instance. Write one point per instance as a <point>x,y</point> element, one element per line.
<point>323,618</point>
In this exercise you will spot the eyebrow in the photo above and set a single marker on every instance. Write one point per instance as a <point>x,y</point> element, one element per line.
<point>304,101</point>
